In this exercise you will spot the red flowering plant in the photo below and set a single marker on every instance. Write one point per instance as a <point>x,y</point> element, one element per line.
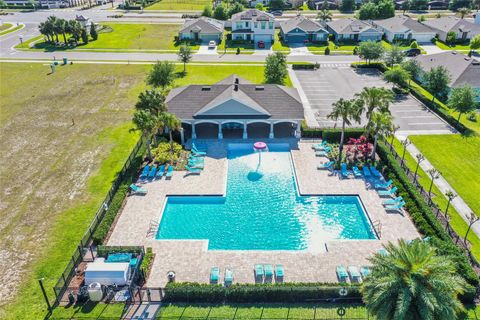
<point>358,149</point>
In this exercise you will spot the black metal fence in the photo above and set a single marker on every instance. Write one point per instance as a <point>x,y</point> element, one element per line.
<point>443,218</point>
<point>84,251</point>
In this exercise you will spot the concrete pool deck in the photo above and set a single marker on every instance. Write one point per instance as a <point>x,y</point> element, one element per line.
<point>191,260</point>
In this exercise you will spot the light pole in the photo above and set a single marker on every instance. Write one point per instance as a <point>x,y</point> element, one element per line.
<point>434,174</point>
<point>405,143</point>
<point>420,157</point>
<point>450,195</point>
<point>21,39</point>
<point>472,218</point>
<point>394,129</point>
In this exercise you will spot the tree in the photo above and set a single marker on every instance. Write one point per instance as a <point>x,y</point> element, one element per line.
<point>414,45</point>
<point>346,111</point>
<point>162,74</point>
<point>475,42</point>
<point>93,31</point>
<point>455,5</point>
<point>152,101</point>
<point>419,4</point>
<point>172,123</point>
<point>220,12</point>
<point>413,282</point>
<point>385,9</point>
<point>56,26</point>
<point>462,100</point>
<point>3,4</point>
<point>33,3</point>
<point>451,37</point>
<point>207,11</point>
<point>276,68</point>
<point>325,5</point>
<point>367,11</point>
<point>324,15</point>
<point>398,76</point>
<point>75,28</point>
<point>406,5</point>
<point>394,55</point>
<point>375,99</point>
<point>146,123</point>
<point>463,12</point>
<point>277,4</point>
<point>259,6</point>
<point>236,8</point>
<point>46,29</point>
<point>436,81</point>
<point>185,55</point>
<point>84,36</point>
<point>413,68</point>
<point>370,50</point>
<point>347,6</point>
<point>381,123</point>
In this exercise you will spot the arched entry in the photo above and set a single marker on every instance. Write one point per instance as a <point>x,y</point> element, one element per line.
<point>258,130</point>
<point>187,130</point>
<point>232,129</point>
<point>284,129</point>
<point>206,130</point>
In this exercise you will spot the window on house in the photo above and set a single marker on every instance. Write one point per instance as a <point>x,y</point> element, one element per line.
<point>270,25</point>
<point>238,25</point>
<point>263,25</point>
<point>256,24</point>
<point>247,24</point>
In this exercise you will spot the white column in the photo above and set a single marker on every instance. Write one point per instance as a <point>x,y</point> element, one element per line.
<point>220,134</point>
<point>298,131</point>
<point>245,133</point>
<point>182,136</point>
<point>271,135</point>
<point>194,134</point>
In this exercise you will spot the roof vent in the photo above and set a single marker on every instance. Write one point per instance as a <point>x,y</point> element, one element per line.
<point>259,88</point>
<point>206,88</point>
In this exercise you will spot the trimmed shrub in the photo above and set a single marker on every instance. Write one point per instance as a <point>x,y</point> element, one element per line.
<point>303,66</point>
<point>333,135</point>
<point>308,132</point>
<point>104,251</point>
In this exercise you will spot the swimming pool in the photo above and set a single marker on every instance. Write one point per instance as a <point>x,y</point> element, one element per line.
<point>262,209</point>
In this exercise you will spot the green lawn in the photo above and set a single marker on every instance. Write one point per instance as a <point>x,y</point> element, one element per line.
<point>174,5</point>
<point>5,26</point>
<point>459,47</point>
<point>118,37</point>
<point>388,45</point>
<point>245,47</point>
<point>279,45</point>
<point>65,169</point>
<point>335,48</point>
<point>457,222</point>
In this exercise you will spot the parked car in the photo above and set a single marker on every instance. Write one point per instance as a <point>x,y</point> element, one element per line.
<point>261,44</point>
<point>276,13</point>
<point>413,52</point>
<point>212,44</point>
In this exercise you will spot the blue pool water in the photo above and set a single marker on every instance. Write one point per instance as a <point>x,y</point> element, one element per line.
<point>262,209</point>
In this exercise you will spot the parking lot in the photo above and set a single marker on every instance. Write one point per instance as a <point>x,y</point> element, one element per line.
<point>332,82</point>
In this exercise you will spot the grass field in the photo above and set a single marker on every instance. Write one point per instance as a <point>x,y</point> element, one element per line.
<point>124,37</point>
<point>232,46</point>
<point>59,173</point>
<point>319,48</point>
<point>458,159</point>
<point>280,45</point>
<point>196,5</point>
<point>5,26</point>
<point>459,47</point>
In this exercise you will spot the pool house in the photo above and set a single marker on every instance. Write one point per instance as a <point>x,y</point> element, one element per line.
<point>236,109</point>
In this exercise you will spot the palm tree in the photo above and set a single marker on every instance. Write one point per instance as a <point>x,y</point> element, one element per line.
<point>146,123</point>
<point>413,282</point>
<point>324,15</point>
<point>63,27</point>
<point>151,100</point>
<point>346,110</point>
<point>375,99</point>
<point>463,12</point>
<point>46,29</point>
<point>172,123</point>
<point>56,26</point>
<point>381,123</point>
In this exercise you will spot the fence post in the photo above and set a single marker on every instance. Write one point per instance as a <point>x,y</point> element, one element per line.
<point>49,306</point>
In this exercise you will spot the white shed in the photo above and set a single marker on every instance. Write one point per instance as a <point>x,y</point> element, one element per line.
<point>107,273</point>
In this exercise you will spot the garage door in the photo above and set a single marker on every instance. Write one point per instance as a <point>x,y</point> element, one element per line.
<point>263,37</point>
<point>296,38</point>
<point>209,37</point>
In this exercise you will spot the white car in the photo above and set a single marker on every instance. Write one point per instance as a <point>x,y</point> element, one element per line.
<point>212,44</point>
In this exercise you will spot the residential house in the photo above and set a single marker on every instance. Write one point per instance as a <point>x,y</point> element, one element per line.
<point>288,3</point>
<point>202,29</point>
<point>353,29</point>
<point>464,29</point>
<point>51,4</point>
<point>253,25</point>
<point>403,27</point>
<point>463,69</point>
<point>319,4</point>
<point>234,104</point>
<point>301,29</point>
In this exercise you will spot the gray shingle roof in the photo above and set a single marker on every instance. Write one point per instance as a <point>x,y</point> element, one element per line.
<point>301,22</point>
<point>203,25</point>
<point>253,15</point>
<point>463,70</point>
<point>455,24</point>
<point>401,24</point>
<point>350,26</point>
<point>267,101</point>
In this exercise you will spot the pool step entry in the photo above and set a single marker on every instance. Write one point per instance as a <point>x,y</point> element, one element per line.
<point>152,229</point>
<point>377,226</point>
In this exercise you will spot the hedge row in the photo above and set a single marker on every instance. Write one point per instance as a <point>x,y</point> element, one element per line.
<point>425,220</point>
<point>305,66</point>
<point>244,293</point>
<point>103,251</point>
<point>115,205</point>
<point>331,135</point>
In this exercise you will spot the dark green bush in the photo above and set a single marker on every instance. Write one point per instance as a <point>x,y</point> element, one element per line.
<point>104,251</point>
<point>378,65</point>
<point>303,66</point>
<point>308,132</point>
<point>242,293</point>
<point>333,135</point>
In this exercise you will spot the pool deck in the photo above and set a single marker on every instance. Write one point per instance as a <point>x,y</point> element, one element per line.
<point>191,260</point>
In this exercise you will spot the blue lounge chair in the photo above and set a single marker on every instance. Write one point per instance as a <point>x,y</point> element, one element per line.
<point>137,190</point>
<point>152,173</point>
<point>145,171</point>
<point>193,170</point>
<point>375,172</point>
<point>160,171</point>
<point>196,159</point>
<point>354,274</point>
<point>169,172</point>
<point>214,275</point>
<point>228,277</point>
<point>365,271</point>
<point>345,172</point>
<point>268,270</point>
<point>279,273</point>
<point>323,147</point>
<point>196,149</point>
<point>385,193</point>
<point>383,252</point>
<point>328,165</point>
<point>384,185</point>
<point>342,274</point>
<point>319,146</point>
<point>366,172</point>
<point>392,201</point>
<point>396,207</point>
<point>195,165</point>
<point>356,172</point>
<point>258,273</point>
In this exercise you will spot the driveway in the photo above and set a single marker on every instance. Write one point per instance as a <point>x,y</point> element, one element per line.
<point>430,48</point>
<point>205,49</point>
<point>334,81</point>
